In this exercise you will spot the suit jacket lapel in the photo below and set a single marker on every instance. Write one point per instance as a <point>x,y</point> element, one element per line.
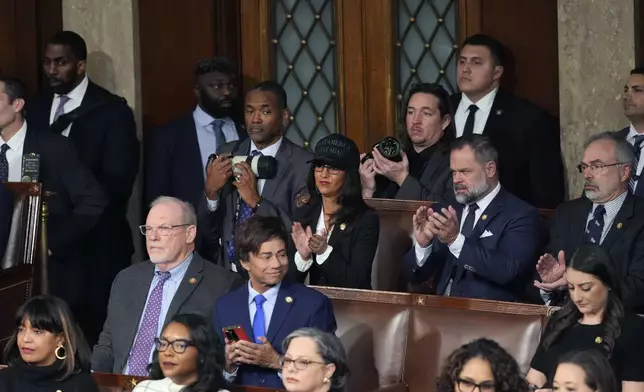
<point>431,165</point>
<point>88,99</point>
<point>492,210</point>
<point>282,307</point>
<point>190,281</point>
<point>620,223</point>
<point>283,157</point>
<point>193,153</point>
<point>139,298</point>
<point>578,225</point>
<point>240,312</point>
<point>496,114</point>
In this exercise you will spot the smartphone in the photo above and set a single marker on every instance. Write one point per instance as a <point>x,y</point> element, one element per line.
<point>235,333</point>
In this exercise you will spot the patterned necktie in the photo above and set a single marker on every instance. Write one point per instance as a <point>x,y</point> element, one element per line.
<point>469,123</point>
<point>259,321</point>
<point>140,356</point>
<point>593,233</point>
<point>219,133</point>
<point>468,228</point>
<point>637,149</point>
<point>4,164</point>
<point>60,110</point>
<point>245,212</point>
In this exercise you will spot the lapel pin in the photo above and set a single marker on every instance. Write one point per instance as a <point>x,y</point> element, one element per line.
<point>343,226</point>
<point>499,112</point>
<point>619,225</point>
<point>288,300</point>
<point>598,340</point>
<point>192,280</point>
<point>483,217</point>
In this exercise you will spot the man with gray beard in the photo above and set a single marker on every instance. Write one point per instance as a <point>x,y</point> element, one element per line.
<point>483,247</point>
<point>609,216</point>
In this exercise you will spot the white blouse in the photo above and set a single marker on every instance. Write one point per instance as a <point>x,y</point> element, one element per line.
<point>165,385</point>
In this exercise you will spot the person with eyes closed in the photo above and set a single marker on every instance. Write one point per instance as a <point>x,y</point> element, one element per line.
<point>47,352</point>
<point>314,361</point>
<point>584,371</point>
<point>189,357</point>
<point>483,366</point>
<point>423,173</point>
<point>335,234</point>
<point>593,318</point>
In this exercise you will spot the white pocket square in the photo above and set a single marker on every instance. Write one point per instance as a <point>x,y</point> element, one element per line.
<point>486,233</point>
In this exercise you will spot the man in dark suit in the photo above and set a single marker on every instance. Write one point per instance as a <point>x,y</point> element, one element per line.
<point>633,101</point>
<point>484,250</point>
<point>526,136</point>
<point>268,308</point>
<point>423,172</point>
<point>176,154</point>
<point>74,198</point>
<point>608,216</point>
<point>229,203</point>
<point>101,127</point>
<point>146,295</point>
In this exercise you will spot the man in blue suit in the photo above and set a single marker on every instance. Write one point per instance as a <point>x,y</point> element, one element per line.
<point>267,309</point>
<point>483,248</point>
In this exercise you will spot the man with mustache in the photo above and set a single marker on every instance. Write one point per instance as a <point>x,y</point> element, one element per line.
<point>101,127</point>
<point>526,136</point>
<point>177,153</point>
<point>482,248</point>
<point>230,200</point>
<point>609,216</point>
<point>633,101</point>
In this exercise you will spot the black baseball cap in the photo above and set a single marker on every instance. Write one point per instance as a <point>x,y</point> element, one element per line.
<point>338,151</point>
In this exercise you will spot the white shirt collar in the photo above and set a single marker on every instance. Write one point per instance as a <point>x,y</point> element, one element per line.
<point>632,133</point>
<point>485,201</point>
<point>18,140</point>
<point>484,104</point>
<point>613,206</point>
<point>78,92</point>
<point>271,150</point>
<point>270,294</point>
<point>203,119</point>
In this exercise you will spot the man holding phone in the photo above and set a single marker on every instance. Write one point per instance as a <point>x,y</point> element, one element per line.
<point>255,318</point>
<point>483,247</point>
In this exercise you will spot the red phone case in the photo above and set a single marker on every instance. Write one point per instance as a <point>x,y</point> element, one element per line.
<point>241,334</point>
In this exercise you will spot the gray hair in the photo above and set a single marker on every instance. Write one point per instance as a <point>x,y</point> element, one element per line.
<point>484,150</point>
<point>188,214</point>
<point>330,349</point>
<point>623,151</point>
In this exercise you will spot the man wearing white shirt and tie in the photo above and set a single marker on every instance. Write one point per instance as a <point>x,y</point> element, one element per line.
<point>482,248</point>
<point>229,203</point>
<point>525,136</point>
<point>633,101</point>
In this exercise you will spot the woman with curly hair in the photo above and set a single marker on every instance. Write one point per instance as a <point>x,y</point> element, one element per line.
<point>593,318</point>
<point>481,365</point>
<point>189,357</point>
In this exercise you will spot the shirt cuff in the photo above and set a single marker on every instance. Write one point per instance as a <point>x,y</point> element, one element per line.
<point>212,204</point>
<point>320,259</point>
<point>546,296</point>
<point>422,254</point>
<point>302,265</point>
<point>230,377</point>
<point>457,246</point>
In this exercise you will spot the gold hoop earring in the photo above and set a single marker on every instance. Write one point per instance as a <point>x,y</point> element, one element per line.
<point>61,357</point>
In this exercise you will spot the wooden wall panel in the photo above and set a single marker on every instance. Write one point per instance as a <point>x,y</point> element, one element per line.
<point>255,39</point>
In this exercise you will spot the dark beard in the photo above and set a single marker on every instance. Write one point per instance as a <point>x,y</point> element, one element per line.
<point>65,88</point>
<point>213,108</point>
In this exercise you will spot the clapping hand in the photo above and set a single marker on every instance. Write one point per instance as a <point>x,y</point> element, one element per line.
<point>552,272</point>
<point>445,224</point>
<point>301,239</point>
<point>318,243</point>
<point>422,228</point>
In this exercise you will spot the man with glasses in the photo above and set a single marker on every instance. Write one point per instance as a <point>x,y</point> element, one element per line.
<point>144,296</point>
<point>609,216</point>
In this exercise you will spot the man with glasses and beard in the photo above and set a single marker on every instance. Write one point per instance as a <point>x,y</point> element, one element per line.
<point>609,216</point>
<point>482,248</point>
<point>176,154</point>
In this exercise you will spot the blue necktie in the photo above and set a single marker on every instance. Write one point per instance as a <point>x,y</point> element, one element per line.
<point>259,323</point>
<point>245,212</point>
<point>637,147</point>
<point>593,233</point>
<point>220,139</point>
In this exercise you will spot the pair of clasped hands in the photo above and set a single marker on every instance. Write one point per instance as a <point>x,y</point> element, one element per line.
<point>245,352</point>
<point>307,242</point>
<point>429,224</point>
<point>220,170</point>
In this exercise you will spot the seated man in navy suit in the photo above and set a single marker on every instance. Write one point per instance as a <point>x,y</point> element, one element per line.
<point>268,308</point>
<point>484,248</point>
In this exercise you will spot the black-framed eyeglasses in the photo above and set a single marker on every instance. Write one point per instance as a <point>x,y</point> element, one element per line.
<point>332,170</point>
<point>300,364</point>
<point>470,386</point>
<point>596,168</point>
<point>179,346</point>
<point>163,230</point>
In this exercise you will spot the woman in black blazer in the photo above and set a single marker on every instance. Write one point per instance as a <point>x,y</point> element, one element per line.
<point>47,352</point>
<point>335,233</point>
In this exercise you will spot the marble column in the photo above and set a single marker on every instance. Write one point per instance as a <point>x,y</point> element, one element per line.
<point>597,50</point>
<point>110,29</point>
